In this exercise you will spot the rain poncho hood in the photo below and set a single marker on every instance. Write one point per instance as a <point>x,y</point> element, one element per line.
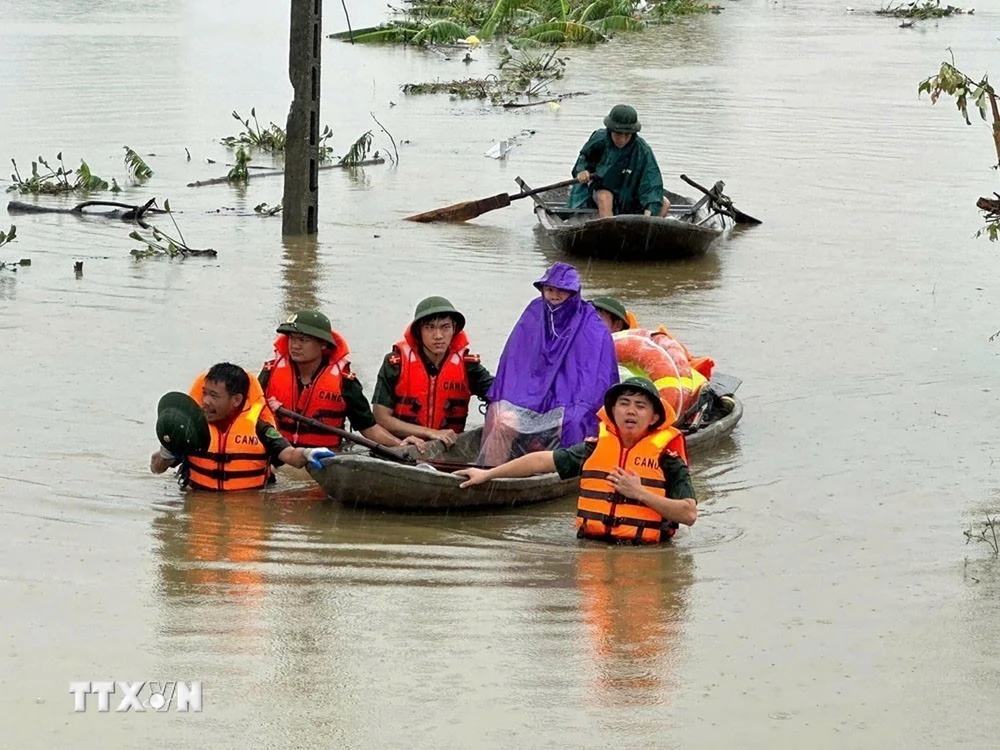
<point>559,355</point>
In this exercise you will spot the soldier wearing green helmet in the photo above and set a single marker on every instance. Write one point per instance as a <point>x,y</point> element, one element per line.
<point>311,375</point>
<point>634,481</point>
<point>616,170</point>
<point>426,382</point>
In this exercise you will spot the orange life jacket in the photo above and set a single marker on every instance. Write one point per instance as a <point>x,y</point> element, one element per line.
<point>441,401</point>
<point>322,399</point>
<point>235,459</point>
<point>604,514</point>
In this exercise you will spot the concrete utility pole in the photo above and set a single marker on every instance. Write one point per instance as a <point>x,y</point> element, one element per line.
<point>300,203</point>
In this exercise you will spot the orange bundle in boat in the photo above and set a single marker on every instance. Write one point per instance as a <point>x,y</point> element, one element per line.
<point>664,360</point>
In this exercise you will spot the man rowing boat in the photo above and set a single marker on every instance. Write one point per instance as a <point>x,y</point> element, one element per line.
<point>616,170</point>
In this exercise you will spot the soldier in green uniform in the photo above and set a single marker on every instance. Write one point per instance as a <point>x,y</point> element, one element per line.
<point>616,170</point>
<point>426,381</point>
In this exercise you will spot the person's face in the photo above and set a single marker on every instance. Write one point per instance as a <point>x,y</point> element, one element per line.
<point>554,295</point>
<point>217,403</point>
<point>621,139</point>
<point>634,415</point>
<point>613,322</point>
<point>436,335</point>
<point>302,348</point>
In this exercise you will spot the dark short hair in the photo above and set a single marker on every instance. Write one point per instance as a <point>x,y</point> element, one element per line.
<point>232,376</point>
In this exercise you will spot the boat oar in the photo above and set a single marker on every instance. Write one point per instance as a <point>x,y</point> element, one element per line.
<point>471,209</point>
<point>724,202</point>
<point>377,449</point>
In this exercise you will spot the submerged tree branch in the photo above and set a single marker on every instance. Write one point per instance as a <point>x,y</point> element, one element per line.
<point>225,180</point>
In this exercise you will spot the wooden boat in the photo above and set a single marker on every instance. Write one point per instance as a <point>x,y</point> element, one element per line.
<point>689,229</point>
<point>359,480</point>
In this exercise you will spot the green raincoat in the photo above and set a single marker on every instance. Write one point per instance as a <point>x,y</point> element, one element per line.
<point>630,173</point>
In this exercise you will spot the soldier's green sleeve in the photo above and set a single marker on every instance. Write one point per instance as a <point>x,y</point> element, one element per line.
<point>385,385</point>
<point>675,471</point>
<point>272,440</point>
<point>359,411</point>
<point>569,461</point>
<point>480,379</point>
<point>651,184</point>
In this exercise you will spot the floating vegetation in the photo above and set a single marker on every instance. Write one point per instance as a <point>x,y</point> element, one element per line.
<point>988,534</point>
<point>138,169</point>
<point>521,22</point>
<point>991,213</point>
<point>271,139</point>
<point>240,173</point>
<point>55,181</point>
<point>953,82</point>
<point>159,243</point>
<point>358,151</point>
<point>470,88</point>
<point>666,10</point>
<point>265,210</point>
<point>522,75</point>
<point>921,11</point>
<point>7,237</point>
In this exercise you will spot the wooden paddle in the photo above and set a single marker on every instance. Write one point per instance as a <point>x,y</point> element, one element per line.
<point>723,202</point>
<point>379,450</point>
<point>471,209</point>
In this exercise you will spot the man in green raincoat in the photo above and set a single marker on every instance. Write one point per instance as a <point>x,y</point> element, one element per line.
<point>616,170</point>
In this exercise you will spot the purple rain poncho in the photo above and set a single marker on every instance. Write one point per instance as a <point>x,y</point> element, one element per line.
<point>559,356</point>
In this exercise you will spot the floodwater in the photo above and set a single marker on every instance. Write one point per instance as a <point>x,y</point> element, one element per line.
<point>825,598</point>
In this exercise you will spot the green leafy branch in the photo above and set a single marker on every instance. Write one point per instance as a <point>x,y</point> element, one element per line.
<point>137,168</point>
<point>159,243</point>
<point>7,237</point>
<point>358,151</point>
<point>953,82</point>
<point>55,180</point>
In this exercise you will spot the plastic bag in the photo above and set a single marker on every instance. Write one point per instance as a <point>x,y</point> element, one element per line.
<point>513,431</point>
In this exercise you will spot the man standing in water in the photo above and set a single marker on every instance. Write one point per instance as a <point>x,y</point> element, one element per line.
<point>634,480</point>
<point>616,170</point>
<point>222,435</point>
<point>312,376</point>
<point>427,380</point>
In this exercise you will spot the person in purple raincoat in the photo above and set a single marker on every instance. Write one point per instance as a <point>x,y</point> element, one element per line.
<point>559,354</point>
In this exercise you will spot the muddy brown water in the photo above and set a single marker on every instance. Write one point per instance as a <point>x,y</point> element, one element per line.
<point>826,596</point>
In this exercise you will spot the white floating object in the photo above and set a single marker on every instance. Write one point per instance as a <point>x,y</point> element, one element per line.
<point>500,149</point>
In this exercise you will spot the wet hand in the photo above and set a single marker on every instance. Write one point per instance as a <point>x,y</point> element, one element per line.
<point>626,483</point>
<point>445,436</point>
<point>583,177</point>
<point>274,403</point>
<point>475,476</point>
<point>413,440</point>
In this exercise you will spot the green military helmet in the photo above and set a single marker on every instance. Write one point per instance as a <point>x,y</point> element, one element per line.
<point>181,425</point>
<point>433,306</point>
<point>638,384</point>
<point>613,306</point>
<point>622,119</point>
<point>309,323</point>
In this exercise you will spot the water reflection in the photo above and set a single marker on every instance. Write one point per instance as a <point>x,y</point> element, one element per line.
<point>300,273</point>
<point>649,281</point>
<point>633,603</point>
